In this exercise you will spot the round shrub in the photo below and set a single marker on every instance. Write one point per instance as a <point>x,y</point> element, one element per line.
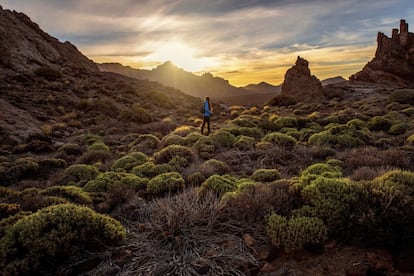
<point>357,124</point>
<point>398,128</point>
<point>52,163</point>
<point>71,149</point>
<point>320,169</point>
<point>254,132</point>
<point>410,139</point>
<point>81,172</point>
<point>25,167</point>
<point>8,209</point>
<point>172,139</point>
<point>53,232</point>
<point>150,169</point>
<point>223,138</point>
<point>283,122</point>
<point>72,193</point>
<point>98,145</point>
<point>166,154</point>
<point>219,184</point>
<point>403,96</point>
<point>244,142</point>
<point>282,100</point>
<point>146,143</point>
<point>136,114</point>
<point>341,136</point>
<point>195,179</point>
<point>214,166</point>
<point>378,123</point>
<point>166,182</point>
<point>265,175</point>
<point>292,234</point>
<point>246,121</point>
<point>192,138</point>
<point>334,200</point>
<point>205,147</point>
<point>104,181</point>
<point>280,139</point>
<point>129,161</point>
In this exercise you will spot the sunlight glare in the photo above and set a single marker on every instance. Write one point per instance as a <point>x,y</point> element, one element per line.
<point>181,55</point>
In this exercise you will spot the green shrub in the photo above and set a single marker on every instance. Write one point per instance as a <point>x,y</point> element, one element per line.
<point>146,143</point>
<point>280,139</point>
<point>219,184</point>
<point>408,111</point>
<point>398,129</point>
<point>72,193</point>
<point>246,121</point>
<point>341,136</point>
<point>357,124</point>
<point>52,163</point>
<point>265,175</point>
<point>53,232</point>
<point>81,172</point>
<point>71,149</point>
<point>254,132</point>
<point>378,123</point>
<point>334,200</point>
<point>192,138</point>
<point>99,145</point>
<point>213,166</point>
<point>403,96</point>
<point>244,142</point>
<point>320,169</point>
<point>150,169</point>
<point>292,234</point>
<point>8,209</point>
<point>136,114</point>
<point>166,182</point>
<point>104,181</point>
<point>170,152</point>
<point>129,161</point>
<point>205,147</point>
<point>282,122</point>
<point>410,139</point>
<point>223,138</point>
<point>172,139</point>
<point>25,167</point>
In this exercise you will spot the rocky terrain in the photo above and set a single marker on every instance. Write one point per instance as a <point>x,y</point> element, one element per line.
<point>394,59</point>
<point>103,174</point>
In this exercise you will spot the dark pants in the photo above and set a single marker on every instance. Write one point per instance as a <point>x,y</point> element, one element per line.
<point>206,120</point>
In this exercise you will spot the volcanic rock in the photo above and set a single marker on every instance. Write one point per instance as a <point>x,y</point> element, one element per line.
<point>300,84</point>
<point>24,47</point>
<point>394,59</point>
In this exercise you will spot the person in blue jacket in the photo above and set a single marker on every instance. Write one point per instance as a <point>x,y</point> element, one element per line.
<point>206,115</point>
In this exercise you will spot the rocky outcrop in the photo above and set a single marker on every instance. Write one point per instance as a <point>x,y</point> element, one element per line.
<point>24,47</point>
<point>300,84</point>
<point>394,59</point>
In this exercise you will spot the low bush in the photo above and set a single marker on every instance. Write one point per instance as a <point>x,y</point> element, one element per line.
<point>54,232</point>
<point>48,73</point>
<point>145,143</point>
<point>166,182</point>
<point>319,169</point>
<point>379,123</point>
<point>265,175</point>
<point>213,166</point>
<point>149,169</point>
<point>254,132</point>
<point>223,138</point>
<point>99,145</point>
<point>171,154</point>
<point>172,139</point>
<point>398,129</point>
<point>341,136</point>
<point>21,168</point>
<point>219,184</point>
<point>104,181</point>
<point>280,139</point>
<point>127,162</point>
<point>403,96</point>
<point>72,193</point>
<point>80,173</point>
<point>282,122</point>
<point>71,149</point>
<point>292,234</point>
<point>244,142</point>
<point>205,147</point>
<point>136,114</point>
<point>8,209</point>
<point>195,179</point>
<point>282,100</point>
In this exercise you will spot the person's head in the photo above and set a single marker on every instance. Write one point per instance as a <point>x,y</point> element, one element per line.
<point>207,98</point>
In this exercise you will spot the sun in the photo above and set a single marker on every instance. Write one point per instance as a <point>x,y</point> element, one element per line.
<point>181,55</point>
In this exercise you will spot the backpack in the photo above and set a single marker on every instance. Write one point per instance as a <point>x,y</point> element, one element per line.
<point>202,109</point>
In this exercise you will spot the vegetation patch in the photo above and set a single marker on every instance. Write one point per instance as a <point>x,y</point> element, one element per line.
<point>166,182</point>
<point>127,162</point>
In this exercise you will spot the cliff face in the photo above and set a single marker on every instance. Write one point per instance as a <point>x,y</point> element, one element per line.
<point>300,84</point>
<point>394,59</point>
<point>24,47</point>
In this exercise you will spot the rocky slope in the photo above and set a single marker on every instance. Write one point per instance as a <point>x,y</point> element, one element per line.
<point>394,59</point>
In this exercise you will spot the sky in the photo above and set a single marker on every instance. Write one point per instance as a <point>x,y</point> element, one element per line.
<point>243,41</point>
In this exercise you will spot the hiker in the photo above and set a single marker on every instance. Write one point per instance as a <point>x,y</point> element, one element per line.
<point>206,115</point>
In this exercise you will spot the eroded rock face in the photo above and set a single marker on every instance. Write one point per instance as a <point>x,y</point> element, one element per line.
<point>394,59</point>
<point>25,47</point>
<point>300,84</point>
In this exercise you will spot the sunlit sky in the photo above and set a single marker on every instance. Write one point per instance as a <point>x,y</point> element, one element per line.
<point>243,41</point>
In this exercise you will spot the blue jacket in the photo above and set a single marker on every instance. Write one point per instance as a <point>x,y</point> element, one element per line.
<point>207,111</point>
